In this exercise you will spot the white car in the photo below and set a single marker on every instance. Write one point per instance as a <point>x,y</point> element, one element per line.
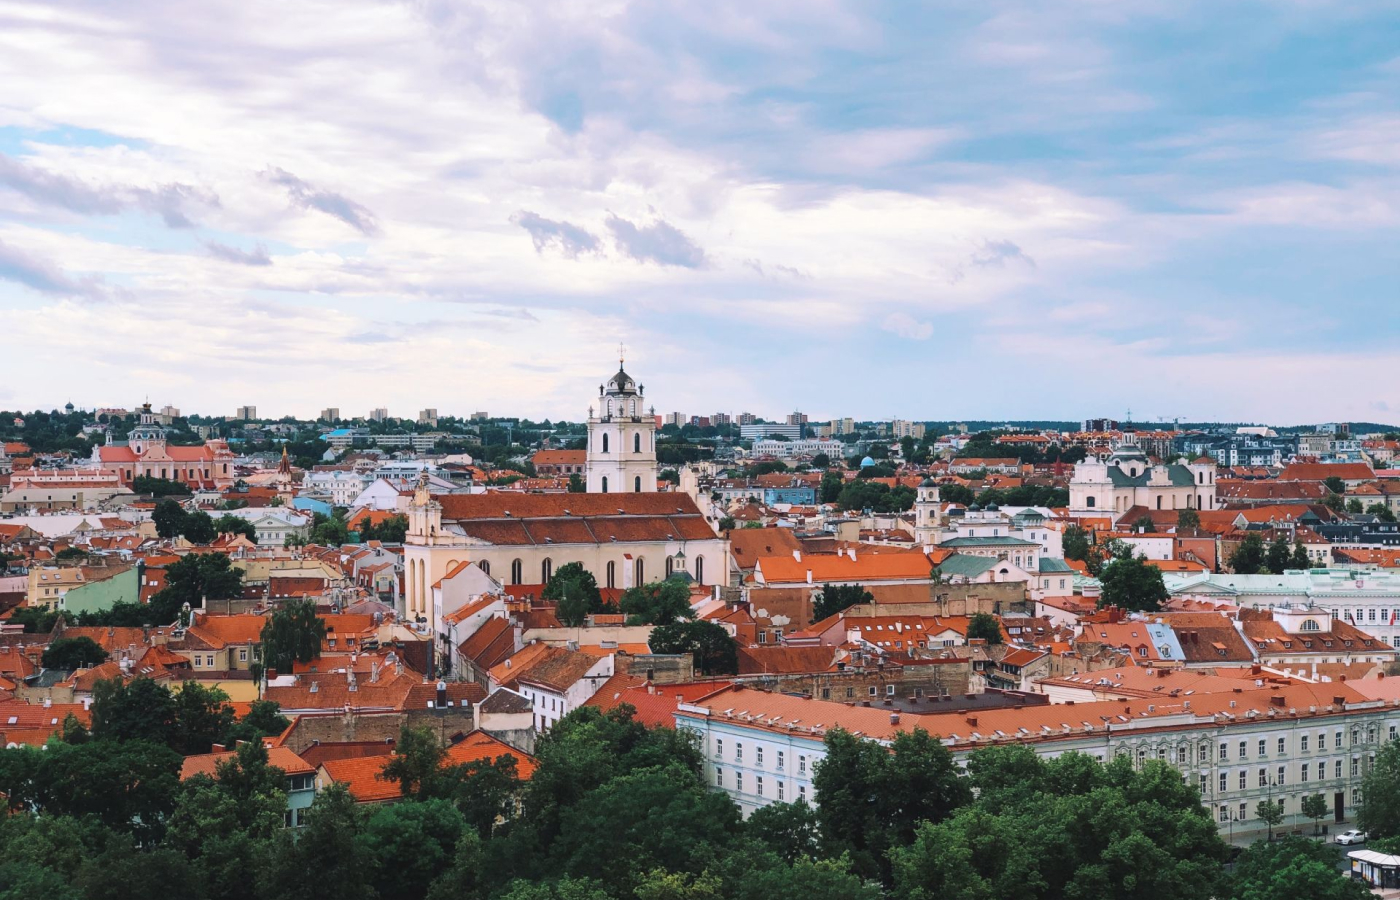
<point>1352,837</point>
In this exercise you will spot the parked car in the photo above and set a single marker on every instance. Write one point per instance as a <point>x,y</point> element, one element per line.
<point>1352,837</point>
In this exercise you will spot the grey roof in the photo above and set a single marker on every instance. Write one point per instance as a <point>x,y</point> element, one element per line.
<point>1177,476</point>
<point>966,566</point>
<point>1051,565</point>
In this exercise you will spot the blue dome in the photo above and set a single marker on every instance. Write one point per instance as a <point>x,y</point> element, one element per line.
<point>867,462</point>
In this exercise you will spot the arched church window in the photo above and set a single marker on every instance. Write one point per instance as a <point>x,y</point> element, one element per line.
<point>637,485</point>
<point>637,443</point>
<point>640,571</point>
<point>699,570</point>
<point>605,443</point>
<point>485,567</point>
<point>612,574</point>
<point>670,567</point>
<point>605,484</point>
<point>546,570</point>
<point>516,570</point>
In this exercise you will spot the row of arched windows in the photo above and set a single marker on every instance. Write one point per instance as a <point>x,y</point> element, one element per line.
<point>636,484</point>
<point>517,571</point>
<point>636,442</point>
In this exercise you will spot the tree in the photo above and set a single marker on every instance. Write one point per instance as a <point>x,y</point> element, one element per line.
<point>576,484</point>
<point>835,598</point>
<point>1335,484</point>
<point>199,528</point>
<point>1132,584</point>
<point>821,461</point>
<point>1315,808</point>
<point>984,626</point>
<point>657,603</point>
<point>727,523</point>
<point>1335,502</point>
<point>1248,558</point>
<point>159,487</point>
<point>1188,520</point>
<point>264,719</point>
<point>392,530</point>
<point>139,711</point>
<point>37,619</point>
<point>202,717</point>
<point>411,843</point>
<point>1270,812</point>
<point>1380,814</point>
<point>234,525</point>
<point>169,517</point>
<point>873,798</point>
<point>73,653</point>
<point>329,531</point>
<point>1292,867</point>
<point>1145,524</point>
<point>1279,555</point>
<point>1354,506</point>
<point>713,648</point>
<point>416,764</point>
<point>195,578</point>
<point>326,861</point>
<point>1075,543</point>
<point>831,486</point>
<point>1381,511</point>
<point>575,590</point>
<point>293,633</point>
<point>1301,559</point>
<point>791,830</point>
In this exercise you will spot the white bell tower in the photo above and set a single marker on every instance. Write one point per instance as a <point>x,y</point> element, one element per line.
<point>926,512</point>
<point>621,439</point>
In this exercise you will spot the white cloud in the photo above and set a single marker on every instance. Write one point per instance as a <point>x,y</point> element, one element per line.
<point>906,326</point>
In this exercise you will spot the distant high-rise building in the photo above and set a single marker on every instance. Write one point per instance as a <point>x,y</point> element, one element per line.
<point>330,414</point>
<point>170,412</point>
<point>843,426</point>
<point>797,418</point>
<point>721,419</point>
<point>246,413</point>
<point>676,418</point>
<point>899,428</point>
<point>1100,424</point>
<point>378,414</point>
<point>428,417</point>
<point>480,416</point>
<point>747,418</point>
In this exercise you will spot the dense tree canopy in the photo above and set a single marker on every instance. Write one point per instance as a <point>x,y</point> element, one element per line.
<point>835,598</point>
<point>1132,583</point>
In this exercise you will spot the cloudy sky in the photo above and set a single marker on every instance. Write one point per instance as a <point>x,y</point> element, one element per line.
<point>942,210</point>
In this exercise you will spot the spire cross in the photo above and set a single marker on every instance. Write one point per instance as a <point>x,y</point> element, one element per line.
<point>621,356</point>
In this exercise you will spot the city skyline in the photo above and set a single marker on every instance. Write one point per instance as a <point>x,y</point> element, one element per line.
<point>776,206</point>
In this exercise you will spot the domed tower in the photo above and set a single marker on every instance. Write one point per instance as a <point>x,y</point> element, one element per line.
<point>147,438</point>
<point>621,457</point>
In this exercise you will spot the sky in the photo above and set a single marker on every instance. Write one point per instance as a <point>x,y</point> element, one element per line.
<point>1053,209</point>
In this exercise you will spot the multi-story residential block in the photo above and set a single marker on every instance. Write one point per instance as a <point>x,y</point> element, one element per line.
<point>768,429</point>
<point>428,417</point>
<point>378,414</point>
<point>1237,747</point>
<point>330,414</point>
<point>787,449</point>
<point>899,428</point>
<point>747,418</point>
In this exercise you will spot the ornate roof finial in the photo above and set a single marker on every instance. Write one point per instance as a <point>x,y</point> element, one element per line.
<point>621,355</point>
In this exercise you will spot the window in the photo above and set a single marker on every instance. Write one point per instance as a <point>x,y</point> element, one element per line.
<point>758,786</point>
<point>780,792</point>
<point>1263,778</point>
<point>719,746</point>
<point>758,756</point>
<point>1224,752</point>
<point>1355,796</point>
<point>1392,732</point>
<point>1337,769</point>
<point>739,782</point>
<point>1355,766</point>
<point>637,445</point>
<point>699,570</point>
<point>1244,811</point>
<point>605,445</point>
<point>1303,744</point>
<point>604,485</point>
<point>801,765</point>
<point>1282,775</point>
<point>802,792</point>
<point>1203,783</point>
<point>516,571</point>
<point>1303,773</point>
<point>738,752</point>
<point>546,570</point>
<point>637,485</point>
<point>1224,813</point>
<point>889,690</point>
<point>1181,755</point>
<point>1282,746</point>
<point>780,760</point>
<point>719,778</point>
<point>1244,779</point>
<point>1089,501</point>
<point>1223,786</point>
<point>1202,753</point>
<point>1337,740</point>
<point>1244,749</point>
<point>1321,742</point>
<point>640,572</point>
<point>243,657</point>
<point>1263,747</point>
<point>612,574</point>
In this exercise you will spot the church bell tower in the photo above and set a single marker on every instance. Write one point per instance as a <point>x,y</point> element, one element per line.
<point>621,456</point>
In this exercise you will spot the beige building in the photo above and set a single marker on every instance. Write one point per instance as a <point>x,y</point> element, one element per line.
<point>1127,478</point>
<point>48,584</point>
<point>623,539</point>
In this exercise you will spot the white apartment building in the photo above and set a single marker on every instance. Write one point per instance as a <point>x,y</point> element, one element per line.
<point>789,449</point>
<point>1237,748</point>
